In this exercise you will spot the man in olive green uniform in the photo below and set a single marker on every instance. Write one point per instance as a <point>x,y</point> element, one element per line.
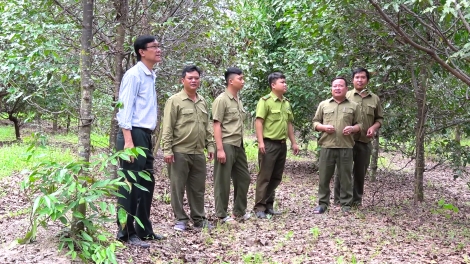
<point>372,118</point>
<point>273,125</point>
<point>338,119</point>
<point>187,130</point>
<point>231,163</point>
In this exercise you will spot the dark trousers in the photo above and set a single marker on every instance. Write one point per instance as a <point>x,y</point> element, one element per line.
<point>137,202</point>
<point>236,169</point>
<point>271,167</point>
<point>361,158</point>
<point>188,172</point>
<point>341,159</point>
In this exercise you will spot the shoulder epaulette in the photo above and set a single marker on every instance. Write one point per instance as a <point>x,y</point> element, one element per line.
<point>285,98</point>
<point>266,97</point>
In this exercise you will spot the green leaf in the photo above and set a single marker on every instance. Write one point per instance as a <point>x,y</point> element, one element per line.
<point>122,216</point>
<point>141,152</point>
<point>137,220</point>
<point>132,175</point>
<point>144,175</point>
<point>141,187</point>
<point>102,238</point>
<point>87,237</point>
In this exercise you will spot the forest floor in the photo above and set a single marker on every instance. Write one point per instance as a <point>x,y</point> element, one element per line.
<point>389,228</point>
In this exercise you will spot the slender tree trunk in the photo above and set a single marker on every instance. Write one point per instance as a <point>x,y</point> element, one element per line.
<point>54,123</point>
<point>16,123</point>
<point>420,98</point>
<point>375,158</point>
<point>122,11</point>
<point>68,124</point>
<point>87,87</point>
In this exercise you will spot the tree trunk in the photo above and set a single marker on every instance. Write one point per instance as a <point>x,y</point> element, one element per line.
<point>87,87</point>
<point>375,158</point>
<point>54,123</point>
<point>122,10</point>
<point>420,98</point>
<point>458,135</point>
<point>16,123</point>
<point>68,124</point>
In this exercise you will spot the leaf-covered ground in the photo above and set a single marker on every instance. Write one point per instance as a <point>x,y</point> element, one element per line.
<point>387,229</point>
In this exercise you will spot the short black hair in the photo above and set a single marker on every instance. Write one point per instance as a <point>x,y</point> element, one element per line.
<point>230,71</point>
<point>190,68</point>
<point>340,78</point>
<point>360,69</point>
<point>273,77</point>
<point>141,43</point>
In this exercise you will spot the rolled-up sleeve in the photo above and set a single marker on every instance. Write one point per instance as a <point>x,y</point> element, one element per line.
<point>127,96</point>
<point>379,116</point>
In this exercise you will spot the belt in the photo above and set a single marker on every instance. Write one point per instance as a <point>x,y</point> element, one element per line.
<point>146,130</point>
<point>279,141</point>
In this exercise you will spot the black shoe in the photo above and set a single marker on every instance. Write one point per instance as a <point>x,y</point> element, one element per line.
<point>261,214</point>
<point>272,212</point>
<point>134,240</point>
<point>153,237</point>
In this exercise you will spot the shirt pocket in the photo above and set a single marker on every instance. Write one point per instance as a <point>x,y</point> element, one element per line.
<point>370,109</point>
<point>233,114</point>
<point>187,116</point>
<point>328,116</point>
<point>275,115</point>
<point>348,116</point>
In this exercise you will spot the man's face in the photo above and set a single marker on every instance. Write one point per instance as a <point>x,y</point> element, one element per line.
<point>152,52</point>
<point>237,81</point>
<point>279,86</point>
<point>339,89</point>
<point>360,80</point>
<point>191,81</point>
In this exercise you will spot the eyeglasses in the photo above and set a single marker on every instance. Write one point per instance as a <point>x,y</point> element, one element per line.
<point>152,47</point>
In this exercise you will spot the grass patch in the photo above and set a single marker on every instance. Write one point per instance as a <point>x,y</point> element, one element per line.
<point>13,158</point>
<point>100,141</point>
<point>7,133</point>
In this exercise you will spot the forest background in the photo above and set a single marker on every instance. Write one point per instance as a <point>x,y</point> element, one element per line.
<point>62,63</point>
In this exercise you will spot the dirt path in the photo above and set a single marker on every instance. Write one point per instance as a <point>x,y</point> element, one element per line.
<point>388,229</point>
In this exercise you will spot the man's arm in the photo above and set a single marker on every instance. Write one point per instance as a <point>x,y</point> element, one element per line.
<point>378,120</point>
<point>218,142</point>
<point>290,133</point>
<point>169,121</point>
<point>209,137</point>
<point>259,134</point>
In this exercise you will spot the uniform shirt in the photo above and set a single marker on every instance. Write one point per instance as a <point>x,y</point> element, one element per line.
<point>186,126</point>
<point>231,114</point>
<point>371,110</point>
<point>329,112</point>
<point>137,93</point>
<point>276,114</point>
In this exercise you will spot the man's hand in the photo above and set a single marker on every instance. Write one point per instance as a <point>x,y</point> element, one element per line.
<point>169,159</point>
<point>261,147</point>
<point>129,145</point>
<point>221,156</point>
<point>295,149</point>
<point>348,130</point>
<point>210,156</point>
<point>371,132</point>
<point>329,129</point>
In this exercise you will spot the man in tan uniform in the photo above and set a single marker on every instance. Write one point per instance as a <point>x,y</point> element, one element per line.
<point>187,130</point>
<point>338,119</point>
<point>231,163</point>
<point>273,125</point>
<point>372,118</point>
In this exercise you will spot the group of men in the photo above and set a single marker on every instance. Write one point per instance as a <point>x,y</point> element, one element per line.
<point>189,128</point>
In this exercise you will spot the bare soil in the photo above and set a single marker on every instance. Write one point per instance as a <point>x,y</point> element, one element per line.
<point>389,228</point>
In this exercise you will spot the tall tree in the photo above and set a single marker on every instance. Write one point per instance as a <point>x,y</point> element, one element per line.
<point>87,87</point>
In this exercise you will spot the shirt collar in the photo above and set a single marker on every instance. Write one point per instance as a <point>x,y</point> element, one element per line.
<point>145,69</point>
<point>183,95</point>
<point>274,96</point>
<point>333,100</point>
<point>364,91</point>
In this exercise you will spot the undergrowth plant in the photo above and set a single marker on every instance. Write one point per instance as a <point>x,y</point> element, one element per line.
<point>55,190</point>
